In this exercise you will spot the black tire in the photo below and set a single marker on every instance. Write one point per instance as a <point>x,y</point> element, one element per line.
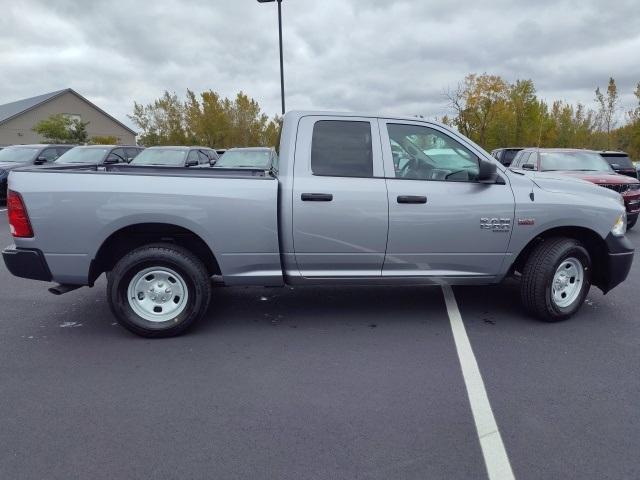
<point>173,257</point>
<point>631,222</point>
<point>538,274</point>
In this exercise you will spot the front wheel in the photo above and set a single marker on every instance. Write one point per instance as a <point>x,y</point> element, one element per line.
<point>556,279</point>
<point>158,290</point>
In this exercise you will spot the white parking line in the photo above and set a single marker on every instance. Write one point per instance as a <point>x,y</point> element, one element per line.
<point>3,209</point>
<point>493,451</point>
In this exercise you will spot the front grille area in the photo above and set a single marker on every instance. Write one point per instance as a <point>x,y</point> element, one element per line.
<point>622,187</point>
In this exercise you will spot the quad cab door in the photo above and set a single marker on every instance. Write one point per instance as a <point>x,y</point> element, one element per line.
<point>443,222</point>
<point>340,205</point>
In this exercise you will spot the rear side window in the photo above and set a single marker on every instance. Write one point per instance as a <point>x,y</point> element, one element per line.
<point>203,159</point>
<point>132,153</point>
<point>49,154</point>
<point>618,161</point>
<point>342,149</point>
<point>508,156</point>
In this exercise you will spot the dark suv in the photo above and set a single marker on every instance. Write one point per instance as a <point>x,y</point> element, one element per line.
<point>505,155</point>
<point>99,155</point>
<point>23,155</point>
<point>621,163</point>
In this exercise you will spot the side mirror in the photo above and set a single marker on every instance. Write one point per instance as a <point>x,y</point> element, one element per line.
<point>615,166</point>
<point>212,162</point>
<point>488,172</point>
<point>40,161</point>
<point>528,166</point>
<point>191,163</point>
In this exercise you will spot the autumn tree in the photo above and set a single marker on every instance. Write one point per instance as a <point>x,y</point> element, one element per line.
<point>607,107</point>
<point>205,119</point>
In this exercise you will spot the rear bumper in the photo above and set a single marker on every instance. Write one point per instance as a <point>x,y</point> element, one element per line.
<point>26,263</point>
<point>619,259</point>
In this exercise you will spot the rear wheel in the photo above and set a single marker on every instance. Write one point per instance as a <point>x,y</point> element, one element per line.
<point>556,279</point>
<point>158,290</point>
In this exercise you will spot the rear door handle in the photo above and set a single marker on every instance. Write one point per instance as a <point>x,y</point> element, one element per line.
<point>317,197</point>
<point>412,199</point>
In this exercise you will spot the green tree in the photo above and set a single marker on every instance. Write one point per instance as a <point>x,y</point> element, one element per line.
<point>55,128</point>
<point>161,122</point>
<point>104,140</point>
<point>607,106</point>
<point>78,131</point>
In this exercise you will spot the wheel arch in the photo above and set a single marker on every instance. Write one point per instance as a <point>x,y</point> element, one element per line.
<point>132,236</point>
<point>590,239</point>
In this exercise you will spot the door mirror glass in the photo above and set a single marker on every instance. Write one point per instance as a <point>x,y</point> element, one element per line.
<point>488,172</point>
<point>528,166</point>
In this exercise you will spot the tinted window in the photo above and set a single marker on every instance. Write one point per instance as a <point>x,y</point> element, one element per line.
<point>120,155</point>
<point>508,156</point>
<point>203,158</point>
<point>192,157</point>
<point>49,154</point>
<point>422,153</point>
<point>131,153</point>
<point>62,150</point>
<point>621,161</point>
<point>342,149</point>
<point>516,160</point>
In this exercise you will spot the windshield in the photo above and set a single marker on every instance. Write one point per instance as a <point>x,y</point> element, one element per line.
<point>620,161</point>
<point>165,157</point>
<point>91,156</point>
<point>573,161</point>
<point>17,155</point>
<point>245,159</point>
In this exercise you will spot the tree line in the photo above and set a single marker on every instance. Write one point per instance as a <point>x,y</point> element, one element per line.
<point>495,113</point>
<point>205,119</point>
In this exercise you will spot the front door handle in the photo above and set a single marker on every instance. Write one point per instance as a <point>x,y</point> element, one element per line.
<point>316,197</point>
<point>412,199</point>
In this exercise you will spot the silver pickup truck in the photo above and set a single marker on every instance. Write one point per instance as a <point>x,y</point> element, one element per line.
<point>355,199</point>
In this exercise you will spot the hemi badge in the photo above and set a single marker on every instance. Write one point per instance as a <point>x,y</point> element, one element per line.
<point>526,221</point>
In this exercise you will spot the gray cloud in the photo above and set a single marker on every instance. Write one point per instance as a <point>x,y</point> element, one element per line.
<point>371,55</point>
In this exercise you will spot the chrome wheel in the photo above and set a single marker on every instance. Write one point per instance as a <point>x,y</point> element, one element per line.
<point>567,282</point>
<point>157,294</point>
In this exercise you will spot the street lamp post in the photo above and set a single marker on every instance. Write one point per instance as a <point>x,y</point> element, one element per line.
<point>280,38</point>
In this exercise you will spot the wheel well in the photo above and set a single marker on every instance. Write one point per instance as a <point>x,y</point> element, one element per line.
<point>594,244</point>
<point>121,242</point>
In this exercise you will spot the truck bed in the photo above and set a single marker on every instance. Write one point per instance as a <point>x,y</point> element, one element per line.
<point>74,210</point>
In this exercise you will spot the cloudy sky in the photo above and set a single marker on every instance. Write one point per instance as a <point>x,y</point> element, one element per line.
<point>395,56</point>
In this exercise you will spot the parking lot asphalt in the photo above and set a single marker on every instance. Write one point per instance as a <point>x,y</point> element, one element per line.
<point>315,383</point>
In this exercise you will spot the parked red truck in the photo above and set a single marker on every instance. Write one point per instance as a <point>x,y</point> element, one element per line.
<point>586,165</point>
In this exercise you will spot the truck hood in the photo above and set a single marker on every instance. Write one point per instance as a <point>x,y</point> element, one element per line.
<point>560,183</point>
<point>609,178</point>
<point>11,165</point>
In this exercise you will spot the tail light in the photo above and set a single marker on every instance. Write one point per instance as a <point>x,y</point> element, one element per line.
<point>18,217</point>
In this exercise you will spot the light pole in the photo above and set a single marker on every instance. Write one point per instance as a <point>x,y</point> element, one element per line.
<point>280,37</point>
